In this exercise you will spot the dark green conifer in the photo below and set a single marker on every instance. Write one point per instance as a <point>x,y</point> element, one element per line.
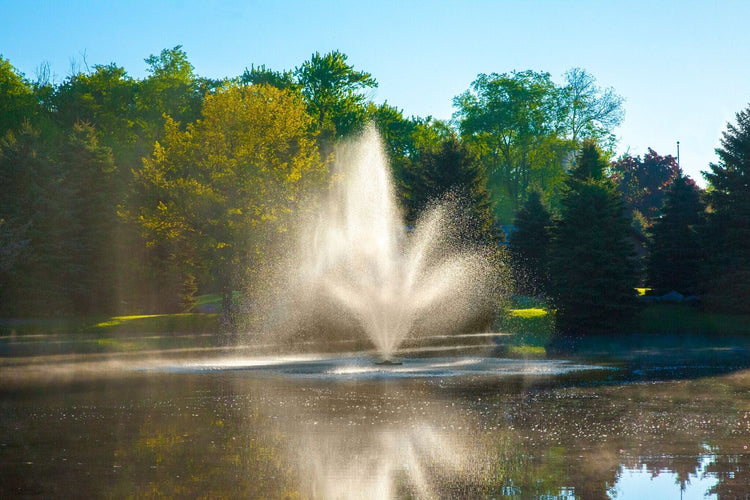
<point>529,245</point>
<point>449,169</point>
<point>726,274</point>
<point>674,249</point>
<point>592,269</point>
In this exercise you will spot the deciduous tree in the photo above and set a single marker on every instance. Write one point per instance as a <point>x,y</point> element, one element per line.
<point>171,89</point>
<point>511,121</point>
<point>588,111</point>
<point>645,182</point>
<point>216,192</point>
<point>335,94</point>
<point>17,100</point>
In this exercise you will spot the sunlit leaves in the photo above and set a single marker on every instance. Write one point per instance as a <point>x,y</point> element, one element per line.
<point>512,122</point>
<point>334,92</point>
<point>214,189</point>
<point>17,101</point>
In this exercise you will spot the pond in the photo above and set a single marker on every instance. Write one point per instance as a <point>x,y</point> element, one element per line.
<point>227,424</point>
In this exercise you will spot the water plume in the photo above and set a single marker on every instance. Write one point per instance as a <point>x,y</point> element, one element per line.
<point>359,267</point>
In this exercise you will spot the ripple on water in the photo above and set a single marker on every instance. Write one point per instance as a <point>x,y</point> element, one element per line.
<point>353,367</point>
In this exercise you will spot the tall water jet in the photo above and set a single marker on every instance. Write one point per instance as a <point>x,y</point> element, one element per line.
<point>359,264</point>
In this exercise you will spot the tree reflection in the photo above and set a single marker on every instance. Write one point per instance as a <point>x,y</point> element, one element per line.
<point>234,434</point>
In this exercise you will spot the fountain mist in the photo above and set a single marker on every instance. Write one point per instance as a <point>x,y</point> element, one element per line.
<point>358,264</point>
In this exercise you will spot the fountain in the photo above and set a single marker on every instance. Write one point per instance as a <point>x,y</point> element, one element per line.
<point>360,266</point>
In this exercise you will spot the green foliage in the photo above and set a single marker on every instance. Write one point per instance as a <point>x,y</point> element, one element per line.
<point>449,169</point>
<point>524,127</point>
<point>261,75</point>
<point>104,98</point>
<point>588,111</point>
<point>17,100</point>
<point>674,248</point>
<point>30,207</point>
<point>510,120</point>
<point>171,89</point>
<point>726,275</point>
<point>529,246</point>
<point>215,193</point>
<point>63,229</point>
<point>333,91</point>
<point>398,135</point>
<point>592,271</point>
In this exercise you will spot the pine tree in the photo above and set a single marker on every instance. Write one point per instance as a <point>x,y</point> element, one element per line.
<point>529,245</point>
<point>449,169</point>
<point>592,269</point>
<point>674,250</point>
<point>726,274</point>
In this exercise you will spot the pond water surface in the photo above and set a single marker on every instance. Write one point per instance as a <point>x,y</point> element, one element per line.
<point>228,426</point>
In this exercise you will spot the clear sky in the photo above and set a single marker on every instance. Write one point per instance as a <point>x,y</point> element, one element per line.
<point>682,66</point>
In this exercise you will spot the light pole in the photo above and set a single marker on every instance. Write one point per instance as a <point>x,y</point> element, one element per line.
<point>678,154</point>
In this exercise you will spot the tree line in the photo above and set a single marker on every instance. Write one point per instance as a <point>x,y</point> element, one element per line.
<point>129,195</point>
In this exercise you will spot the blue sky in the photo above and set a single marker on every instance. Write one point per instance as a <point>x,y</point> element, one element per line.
<point>682,66</point>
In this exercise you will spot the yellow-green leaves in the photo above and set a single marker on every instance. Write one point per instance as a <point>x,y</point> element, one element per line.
<point>216,187</point>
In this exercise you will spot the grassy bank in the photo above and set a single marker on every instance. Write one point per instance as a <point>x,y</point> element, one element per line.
<point>661,325</point>
<point>117,334</point>
<point>532,328</point>
<point>676,319</point>
<point>531,325</point>
<point>135,325</point>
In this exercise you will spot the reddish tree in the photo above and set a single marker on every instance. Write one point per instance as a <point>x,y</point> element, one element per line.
<point>644,182</point>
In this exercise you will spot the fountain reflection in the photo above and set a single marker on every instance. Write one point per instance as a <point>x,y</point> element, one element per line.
<point>271,431</point>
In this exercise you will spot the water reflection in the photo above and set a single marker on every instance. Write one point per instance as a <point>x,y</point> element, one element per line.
<point>233,433</point>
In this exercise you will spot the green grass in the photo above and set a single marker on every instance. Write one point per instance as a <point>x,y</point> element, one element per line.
<point>159,323</point>
<point>660,325</point>
<point>683,319</point>
<point>532,328</point>
<point>120,325</point>
<point>117,334</point>
<point>213,299</point>
<point>526,351</point>
<point>533,312</point>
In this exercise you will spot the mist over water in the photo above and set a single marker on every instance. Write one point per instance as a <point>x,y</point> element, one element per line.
<point>359,268</point>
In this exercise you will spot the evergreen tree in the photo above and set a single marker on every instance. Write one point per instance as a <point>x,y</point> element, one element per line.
<point>726,275</point>
<point>449,169</point>
<point>674,250</point>
<point>529,245</point>
<point>89,175</point>
<point>592,269</point>
<point>59,220</point>
<point>34,205</point>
